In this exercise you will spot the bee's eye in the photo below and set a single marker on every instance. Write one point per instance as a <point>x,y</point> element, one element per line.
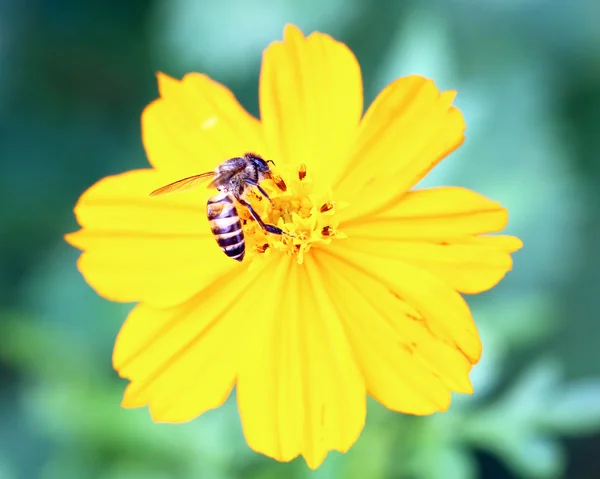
<point>263,165</point>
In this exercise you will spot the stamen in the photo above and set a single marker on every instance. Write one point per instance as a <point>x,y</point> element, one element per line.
<point>302,171</point>
<point>328,205</point>
<point>278,180</point>
<point>301,209</point>
<point>262,248</point>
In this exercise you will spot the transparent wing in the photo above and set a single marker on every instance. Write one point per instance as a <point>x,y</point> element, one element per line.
<point>223,177</point>
<point>229,170</point>
<point>185,184</point>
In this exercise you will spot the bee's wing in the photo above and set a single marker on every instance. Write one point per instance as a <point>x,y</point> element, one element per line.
<point>225,175</point>
<point>183,185</point>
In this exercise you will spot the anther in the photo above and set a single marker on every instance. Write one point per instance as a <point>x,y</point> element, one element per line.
<point>262,248</point>
<point>326,207</point>
<point>302,171</point>
<point>278,180</point>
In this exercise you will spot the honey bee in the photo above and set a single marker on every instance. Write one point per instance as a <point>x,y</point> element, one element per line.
<point>233,179</point>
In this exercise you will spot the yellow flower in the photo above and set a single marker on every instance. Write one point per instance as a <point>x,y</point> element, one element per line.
<point>364,298</point>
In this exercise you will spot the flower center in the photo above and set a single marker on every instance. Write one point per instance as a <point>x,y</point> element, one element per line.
<point>300,208</point>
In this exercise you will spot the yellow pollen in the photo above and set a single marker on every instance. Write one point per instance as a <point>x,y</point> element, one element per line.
<point>301,208</point>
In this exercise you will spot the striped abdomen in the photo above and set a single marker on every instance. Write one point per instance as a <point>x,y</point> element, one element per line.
<point>226,226</point>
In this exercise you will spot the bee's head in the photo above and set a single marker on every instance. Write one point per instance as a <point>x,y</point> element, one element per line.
<point>262,166</point>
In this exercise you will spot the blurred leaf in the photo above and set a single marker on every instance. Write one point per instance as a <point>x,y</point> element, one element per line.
<point>226,38</point>
<point>521,321</point>
<point>5,471</point>
<point>486,374</point>
<point>330,468</point>
<point>40,351</point>
<point>575,409</point>
<point>136,470</point>
<point>531,393</point>
<point>66,466</point>
<point>422,45</point>
<point>508,428</point>
<point>438,456</point>
<point>534,457</point>
<point>518,427</point>
<point>64,303</point>
<point>372,455</point>
<point>505,326</point>
<point>450,463</point>
<point>514,415</point>
<point>263,468</point>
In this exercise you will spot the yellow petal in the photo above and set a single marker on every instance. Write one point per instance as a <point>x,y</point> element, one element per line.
<point>195,125</point>
<point>310,101</point>
<point>140,248</point>
<point>182,361</point>
<point>299,390</point>
<point>407,368</point>
<point>432,301</point>
<point>407,130</point>
<point>434,229</point>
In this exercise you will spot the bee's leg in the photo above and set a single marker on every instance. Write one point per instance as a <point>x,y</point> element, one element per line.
<point>267,227</point>
<point>263,192</point>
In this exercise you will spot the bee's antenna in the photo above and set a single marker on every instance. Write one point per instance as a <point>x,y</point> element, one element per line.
<point>271,161</point>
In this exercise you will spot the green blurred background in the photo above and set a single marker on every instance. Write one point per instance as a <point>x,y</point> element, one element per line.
<point>74,78</point>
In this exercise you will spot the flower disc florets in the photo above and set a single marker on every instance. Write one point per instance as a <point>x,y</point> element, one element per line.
<point>301,208</point>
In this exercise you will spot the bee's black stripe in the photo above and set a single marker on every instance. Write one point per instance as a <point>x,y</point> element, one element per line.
<point>226,226</point>
<point>239,257</point>
<point>231,228</point>
<point>230,241</point>
<point>236,250</point>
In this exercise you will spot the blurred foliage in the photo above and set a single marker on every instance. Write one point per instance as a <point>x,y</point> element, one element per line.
<point>74,78</point>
